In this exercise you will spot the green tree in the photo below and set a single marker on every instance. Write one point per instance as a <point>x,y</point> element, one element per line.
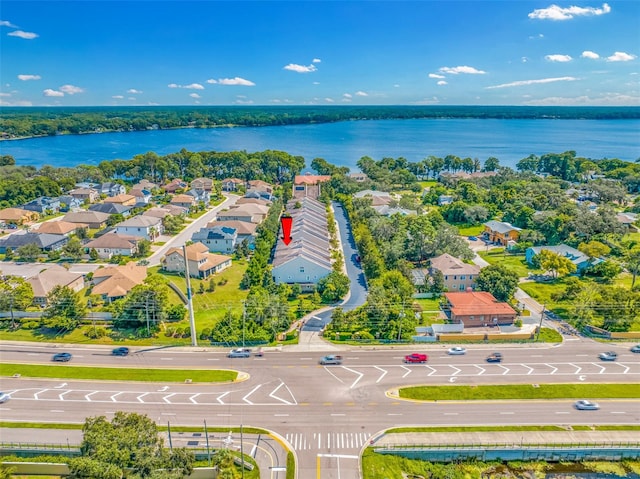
<point>16,294</point>
<point>64,309</point>
<point>557,264</point>
<point>29,252</point>
<point>93,254</point>
<point>145,304</point>
<point>8,254</point>
<point>333,286</point>
<point>144,248</point>
<point>594,249</point>
<point>73,249</point>
<point>437,284</point>
<point>491,164</point>
<point>499,281</point>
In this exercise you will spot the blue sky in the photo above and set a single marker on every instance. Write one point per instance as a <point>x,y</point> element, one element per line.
<point>449,52</point>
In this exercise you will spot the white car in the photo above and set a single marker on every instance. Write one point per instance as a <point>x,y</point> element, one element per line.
<point>584,405</point>
<point>457,351</point>
<point>4,397</point>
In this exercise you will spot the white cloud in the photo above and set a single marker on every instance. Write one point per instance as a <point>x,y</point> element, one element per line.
<point>533,37</point>
<point>428,101</point>
<point>132,98</point>
<point>212,81</point>
<point>329,100</point>
<point>316,83</point>
<point>362,93</point>
<point>396,86</point>
<point>554,12</point>
<point>462,69</point>
<point>15,103</point>
<point>294,67</point>
<point>242,101</point>
<point>21,34</point>
<point>524,59</point>
<point>607,99</point>
<point>134,91</point>
<point>620,57</point>
<point>435,75</point>
<point>531,82</point>
<point>117,97</point>
<point>50,92</point>
<point>590,54</point>
<point>316,60</point>
<point>347,95</point>
<point>194,95</point>
<point>4,94</point>
<point>71,89</point>
<point>4,23</point>
<point>442,82</point>
<point>192,86</point>
<point>558,58</point>
<point>235,81</point>
<point>29,77</point>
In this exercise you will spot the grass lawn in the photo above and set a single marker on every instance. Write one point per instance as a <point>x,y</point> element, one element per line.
<point>428,183</point>
<point>515,263</point>
<point>470,230</point>
<point>120,374</point>
<point>521,391</point>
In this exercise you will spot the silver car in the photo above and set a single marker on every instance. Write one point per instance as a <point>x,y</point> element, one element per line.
<point>457,351</point>
<point>4,397</point>
<point>584,405</point>
<point>239,353</point>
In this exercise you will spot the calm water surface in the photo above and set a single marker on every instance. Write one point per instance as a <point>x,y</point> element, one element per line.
<point>345,143</point>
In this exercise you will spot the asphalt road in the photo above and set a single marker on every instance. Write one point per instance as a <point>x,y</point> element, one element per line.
<point>358,287</point>
<point>326,413</point>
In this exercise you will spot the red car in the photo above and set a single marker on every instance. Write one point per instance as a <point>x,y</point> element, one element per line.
<point>416,358</point>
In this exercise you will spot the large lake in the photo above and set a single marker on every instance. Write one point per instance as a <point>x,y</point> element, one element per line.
<point>344,143</point>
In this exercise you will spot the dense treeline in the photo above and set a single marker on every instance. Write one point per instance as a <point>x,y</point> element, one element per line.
<point>47,121</point>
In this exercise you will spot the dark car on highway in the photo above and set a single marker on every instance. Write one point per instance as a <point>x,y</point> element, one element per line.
<point>62,357</point>
<point>494,358</point>
<point>121,351</point>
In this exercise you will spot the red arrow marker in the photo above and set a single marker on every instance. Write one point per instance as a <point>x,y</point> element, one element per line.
<point>286,222</point>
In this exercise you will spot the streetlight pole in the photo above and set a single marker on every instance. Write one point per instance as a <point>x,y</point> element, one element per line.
<point>541,318</point>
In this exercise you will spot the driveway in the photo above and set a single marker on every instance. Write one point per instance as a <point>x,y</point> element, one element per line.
<point>185,235</point>
<point>358,289</point>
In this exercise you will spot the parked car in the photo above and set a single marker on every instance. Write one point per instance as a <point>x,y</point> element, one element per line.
<point>4,397</point>
<point>121,351</point>
<point>416,358</point>
<point>494,358</point>
<point>62,357</point>
<point>331,359</point>
<point>239,353</point>
<point>473,238</point>
<point>456,351</point>
<point>608,356</point>
<point>635,349</point>
<point>584,405</point>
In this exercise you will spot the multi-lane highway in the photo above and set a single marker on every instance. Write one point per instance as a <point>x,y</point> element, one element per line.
<point>326,413</point>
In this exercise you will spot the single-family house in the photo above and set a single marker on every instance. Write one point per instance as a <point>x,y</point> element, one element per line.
<point>147,227</point>
<point>252,201</point>
<point>46,242</point>
<point>84,194</point>
<point>111,209</point>
<point>202,184</point>
<point>165,210</point>
<point>231,184</point>
<point>45,281</point>
<point>477,308</point>
<point>144,185</point>
<point>114,244</point>
<point>445,200</point>
<point>244,229</point>
<point>359,177</point>
<point>458,275</point>
<point>247,212</point>
<point>378,198</point>
<point>18,216</point>
<point>628,220</point>
<point>111,188</point>
<point>43,205</point>
<point>203,196</point>
<point>577,257</point>
<point>501,233</point>
<point>308,185</point>
<point>175,185</point>
<point>60,227</point>
<point>307,258</point>
<point>95,219</point>
<point>386,210</point>
<point>142,196</point>
<point>202,263</point>
<point>115,282</point>
<point>184,201</point>
<point>121,199</point>
<point>219,239</point>
<point>69,203</point>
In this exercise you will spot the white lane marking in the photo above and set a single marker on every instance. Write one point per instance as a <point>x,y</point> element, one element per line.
<point>61,386</point>
<point>166,359</point>
<point>193,398</point>
<point>36,395</point>
<point>245,399</point>
<point>167,414</point>
<point>552,367</point>
<point>482,370</point>
<point>433,371</point>
<point>450,413</point>
<point>139,398</point>
<point>384,373</point>
<point>394,414</point>
<point>272,394</point>
<point>457,369</point>
<point>506,412</point>
<point>528,367</point>
<point>339,456</point>
<point>360,375</point>
<point>562,412</point>
<point>579,368</point>
<point>223,415</point>
<point>163,389</point>
<point>618,412</point>
<point>61,395</point>
<point>602,368</point>
<point>213,359</point>
<point>407,373</point>
<point>90,394</point>
<point>506,369</point>
<point>219,398</point>
<point>166,398</point>
<point>113,398</point>
<point>337,414</point>
<point>281,415</point>
<point>56,410</point>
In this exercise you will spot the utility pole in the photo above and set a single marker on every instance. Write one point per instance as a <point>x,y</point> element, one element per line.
<point>192,320</point>
<point>244,317</point>
<point>400,322</point>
